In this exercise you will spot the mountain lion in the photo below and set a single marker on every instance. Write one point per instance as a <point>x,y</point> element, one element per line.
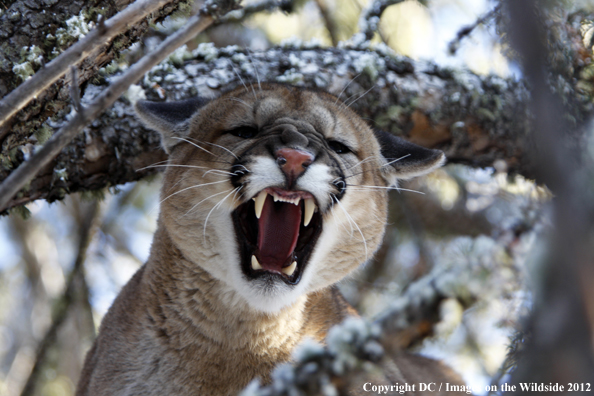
<point>271,195</point>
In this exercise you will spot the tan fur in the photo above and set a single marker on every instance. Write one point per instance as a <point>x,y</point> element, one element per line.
<point>182,326</point>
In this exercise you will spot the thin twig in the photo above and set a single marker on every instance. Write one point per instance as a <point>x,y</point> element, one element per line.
<point>74,89</point>
<point>24,173</point>
<point>90,44</point>
<point>253,8</point>
<point>370,17</point>
<point>328,21</point>
<point>465,31</point>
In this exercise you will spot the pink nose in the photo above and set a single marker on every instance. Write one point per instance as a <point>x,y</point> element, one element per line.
<point>293,162</point>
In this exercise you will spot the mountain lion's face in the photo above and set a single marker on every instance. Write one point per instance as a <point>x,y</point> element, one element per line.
<point>277,191</point>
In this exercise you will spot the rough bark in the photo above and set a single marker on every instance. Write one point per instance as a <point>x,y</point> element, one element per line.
<point>479,121</point>
<point>32,33</point>
<point>475,120</point>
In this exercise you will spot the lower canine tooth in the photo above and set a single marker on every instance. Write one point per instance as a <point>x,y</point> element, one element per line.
<point>290,269</point>
<point>255,264</point>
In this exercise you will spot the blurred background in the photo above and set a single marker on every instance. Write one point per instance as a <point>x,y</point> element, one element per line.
<point>62,267</point>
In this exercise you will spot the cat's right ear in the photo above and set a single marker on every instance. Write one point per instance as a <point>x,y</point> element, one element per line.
<point>170,119</point>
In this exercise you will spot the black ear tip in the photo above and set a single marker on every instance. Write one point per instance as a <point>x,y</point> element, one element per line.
<point>439,157</point>
<point>141,105</point>
<point>146,107</point>
<point>435,154</point>
<point>170,112</point>
<point>429,156</point>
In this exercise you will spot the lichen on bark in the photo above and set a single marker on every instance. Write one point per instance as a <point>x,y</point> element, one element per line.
<point>476,120</point>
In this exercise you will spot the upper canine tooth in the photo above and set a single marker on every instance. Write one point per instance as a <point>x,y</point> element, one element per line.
<point>290,270</point>
<point>310,206</point>
<point>260,203</point>
<point>255,264</point>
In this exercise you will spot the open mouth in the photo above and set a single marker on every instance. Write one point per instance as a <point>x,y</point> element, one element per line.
<point>276,232</point>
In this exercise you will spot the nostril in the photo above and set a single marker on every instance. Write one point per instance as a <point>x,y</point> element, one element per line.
<point>293,162</point>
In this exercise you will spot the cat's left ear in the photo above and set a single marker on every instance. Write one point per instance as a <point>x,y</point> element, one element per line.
<point>405,160</point>
<point>170,119</point>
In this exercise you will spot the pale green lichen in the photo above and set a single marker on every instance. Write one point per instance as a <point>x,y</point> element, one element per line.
<point>184,9</point>
<point>30,57</point>
<point>23,70</point>
<point>44,133</point>
<point>76,27</point>
<point>110,68</point>
<point>369,64</point>
<point>20,211</point>
<point>179,56</point>
<point>135,93</point>
<point>32,54</point>
<point>291,77</point>
<point>60,174</point>
<point>5,162</point>
<point>239,58</point>
<point>93,195</point>
<point>208,51</point>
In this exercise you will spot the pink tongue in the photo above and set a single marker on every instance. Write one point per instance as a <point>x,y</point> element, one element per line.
<point>277,234</point>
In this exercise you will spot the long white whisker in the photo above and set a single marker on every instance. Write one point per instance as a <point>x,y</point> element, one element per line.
<point>194,144</point>
<point>213,195</point>
<point>345,87</point>
<point>240,79</point>
<point>359,173</point>
<point>160,163</point>
<point>237,190</point>
<point>360,187</point>
<point>194,186</point>
<point>213,208</point>
<point>363,94</point>
<point>342,223</point>
<point>224,148</point>
<point>185,166</point>
<point>396,160</point>
<point>255,69</point>
<point>362,161</point>
<point>355,224</point>
<point>218,172</point>
<point>180,191</point>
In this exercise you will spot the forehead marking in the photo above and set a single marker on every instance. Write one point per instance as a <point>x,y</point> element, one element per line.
<point>266,108</point>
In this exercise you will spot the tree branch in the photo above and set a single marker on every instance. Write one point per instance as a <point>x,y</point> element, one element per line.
<point>370,17</point>
<point>253,8</point>
<point>92,42</point>
<point>467,30</point>
<point>561,349</point>
<point>328,20</point>
<point>19,178</point>
<point>476,120</point>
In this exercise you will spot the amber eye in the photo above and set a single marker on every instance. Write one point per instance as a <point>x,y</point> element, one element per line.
<point>244,132</point>
<point>338,147</point>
